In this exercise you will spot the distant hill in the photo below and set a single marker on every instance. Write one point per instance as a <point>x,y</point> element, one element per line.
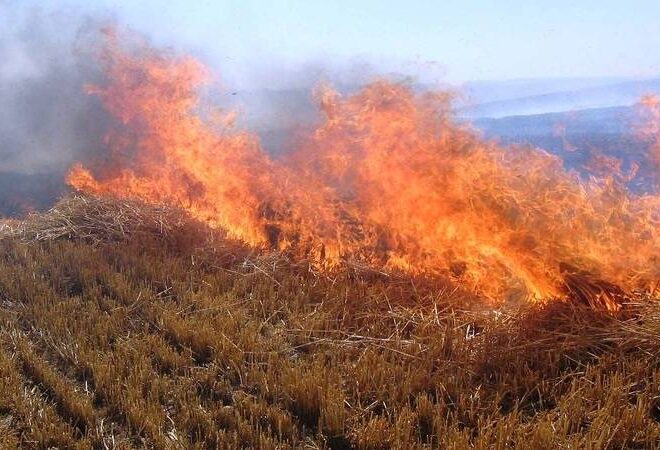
<point>624,93</point>
<point>576,136</point>
<point>610,120</point>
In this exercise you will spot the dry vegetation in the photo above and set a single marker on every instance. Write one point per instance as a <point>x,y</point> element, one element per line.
<point>125,326</point>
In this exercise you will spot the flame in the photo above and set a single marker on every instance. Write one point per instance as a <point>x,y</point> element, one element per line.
<point>387,176</point>
<point>165,152</point>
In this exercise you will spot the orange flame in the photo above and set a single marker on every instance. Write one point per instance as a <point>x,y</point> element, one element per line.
<point>387,176</point>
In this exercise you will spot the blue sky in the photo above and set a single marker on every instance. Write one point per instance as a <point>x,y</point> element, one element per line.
<point>449,40</point>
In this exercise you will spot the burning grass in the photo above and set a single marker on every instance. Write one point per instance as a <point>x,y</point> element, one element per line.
<point>386,175</point>
<point>132,326</point>
<point>107,219</point>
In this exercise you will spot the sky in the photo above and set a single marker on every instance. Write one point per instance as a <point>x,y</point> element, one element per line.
<point>449,40</point>
<point>456,40</point>
<point>257,48</point>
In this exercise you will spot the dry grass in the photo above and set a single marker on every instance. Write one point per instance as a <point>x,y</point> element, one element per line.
<point>143,330</point>
<point>97,219</point>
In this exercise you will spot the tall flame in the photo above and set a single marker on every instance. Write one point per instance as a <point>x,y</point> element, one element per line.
<point>387,176</point>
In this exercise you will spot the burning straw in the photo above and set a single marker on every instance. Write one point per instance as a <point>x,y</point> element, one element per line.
<point>109,219</point>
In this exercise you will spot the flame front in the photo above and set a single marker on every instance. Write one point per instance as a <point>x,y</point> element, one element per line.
<point>387,177</point>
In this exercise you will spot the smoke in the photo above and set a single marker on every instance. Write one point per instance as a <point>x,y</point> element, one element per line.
<point>46,119</point>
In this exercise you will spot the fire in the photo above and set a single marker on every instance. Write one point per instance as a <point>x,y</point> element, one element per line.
<point>162,151</point>
<point>387,176</point>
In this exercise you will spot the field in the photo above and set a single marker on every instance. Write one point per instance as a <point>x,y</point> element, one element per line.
<point>154,332</point>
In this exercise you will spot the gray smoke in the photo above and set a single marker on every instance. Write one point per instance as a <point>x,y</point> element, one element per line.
<point>46,119</point>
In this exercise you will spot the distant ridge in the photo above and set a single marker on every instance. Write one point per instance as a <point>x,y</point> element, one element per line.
<point>608,120</point>
<point>623,93</point>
